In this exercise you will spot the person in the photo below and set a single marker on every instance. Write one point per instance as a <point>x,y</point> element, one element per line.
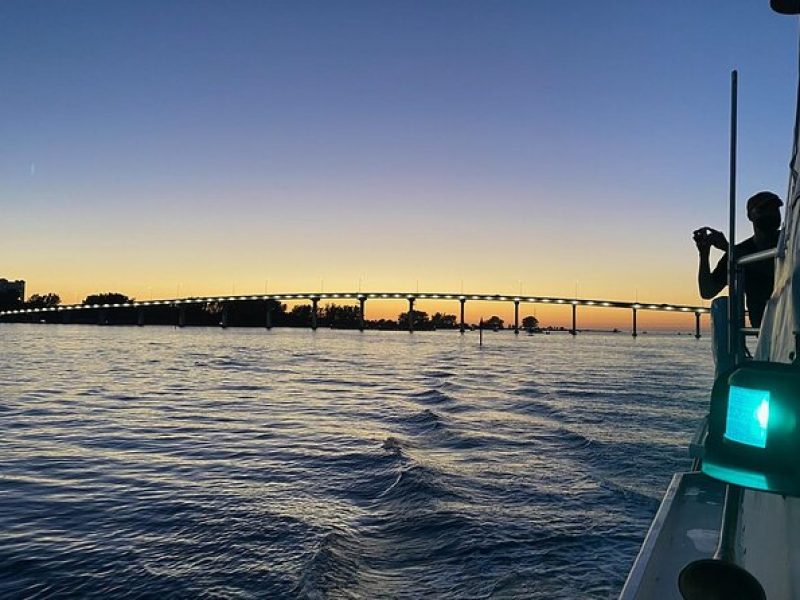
<point>763,210</point>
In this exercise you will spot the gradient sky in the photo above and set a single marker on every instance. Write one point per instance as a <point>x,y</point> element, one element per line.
<point>161,148</point>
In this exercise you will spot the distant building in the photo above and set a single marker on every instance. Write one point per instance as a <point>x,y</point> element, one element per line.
<point>11,292</point>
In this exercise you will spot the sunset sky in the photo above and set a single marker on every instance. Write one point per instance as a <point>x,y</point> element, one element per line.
<point>165,148</point>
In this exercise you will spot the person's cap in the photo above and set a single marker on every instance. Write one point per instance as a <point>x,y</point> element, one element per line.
<point>763,200</point>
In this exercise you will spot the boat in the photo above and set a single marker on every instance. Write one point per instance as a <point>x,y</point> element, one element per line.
<point>730,527</point>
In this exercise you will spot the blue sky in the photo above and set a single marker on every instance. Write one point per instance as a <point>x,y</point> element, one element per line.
<point>205,143</point>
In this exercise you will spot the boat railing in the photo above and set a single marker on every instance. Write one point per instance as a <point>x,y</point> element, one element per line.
<point>696,445</point>
<point>757,257</point>
<point>740,263</point>
<point>740,351</point>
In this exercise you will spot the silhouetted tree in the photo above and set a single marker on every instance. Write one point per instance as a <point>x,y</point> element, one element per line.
<point>493,322</point>
<point>443,321</point>
<point>107,298</point>
<point>421,320</point>
<point>386,324</point>
<point>337,316</point>
<point>43,300</point>
<point>300,315</point>
<point>530,323</point>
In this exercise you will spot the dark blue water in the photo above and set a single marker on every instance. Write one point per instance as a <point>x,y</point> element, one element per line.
<point>154,463</point>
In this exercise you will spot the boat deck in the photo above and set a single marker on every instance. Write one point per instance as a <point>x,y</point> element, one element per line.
<point>685,528</point>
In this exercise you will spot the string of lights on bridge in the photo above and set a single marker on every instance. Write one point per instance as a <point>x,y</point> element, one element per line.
<point>315,297</point>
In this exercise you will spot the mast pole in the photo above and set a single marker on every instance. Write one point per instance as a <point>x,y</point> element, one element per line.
<point>733,292</point>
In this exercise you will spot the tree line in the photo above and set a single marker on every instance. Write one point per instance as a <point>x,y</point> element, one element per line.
<point>251,313</point>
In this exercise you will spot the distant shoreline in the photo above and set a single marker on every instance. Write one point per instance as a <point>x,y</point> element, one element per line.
<point>468,329</point>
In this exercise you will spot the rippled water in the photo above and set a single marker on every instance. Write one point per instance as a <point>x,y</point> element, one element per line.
<point>154,462</point>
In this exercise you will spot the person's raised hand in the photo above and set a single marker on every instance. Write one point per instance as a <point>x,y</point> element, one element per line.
<point>706,237</point>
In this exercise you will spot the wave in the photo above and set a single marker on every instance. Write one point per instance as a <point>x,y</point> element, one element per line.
<point>332,566</point>
<point>424,421</point>
<point>432,396</point>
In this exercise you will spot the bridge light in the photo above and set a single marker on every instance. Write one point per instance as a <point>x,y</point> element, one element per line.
<point>590,302</point>
<point>530,299</point>
<point>502,298</point>
<point>574,302</point>
<point>684,309</point>
<point>637,306</point>
<point>606,303</point>
<point>669,308</point>
<point>476,297</point>
<point>546,300</point>
<point>396,295</point>
<point>560,301</point>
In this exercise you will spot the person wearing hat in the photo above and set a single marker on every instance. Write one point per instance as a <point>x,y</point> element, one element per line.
<point>763,210</point>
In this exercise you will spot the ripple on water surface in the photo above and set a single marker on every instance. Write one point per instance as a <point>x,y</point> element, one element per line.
<point>162,463</point>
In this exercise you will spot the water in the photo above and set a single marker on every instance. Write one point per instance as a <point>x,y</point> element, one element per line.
<point>153,462</point>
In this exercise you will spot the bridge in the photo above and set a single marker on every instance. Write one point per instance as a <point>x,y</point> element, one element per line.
<point>179,305</point>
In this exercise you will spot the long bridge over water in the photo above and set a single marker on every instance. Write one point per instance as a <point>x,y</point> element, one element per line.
<point>179,304</point>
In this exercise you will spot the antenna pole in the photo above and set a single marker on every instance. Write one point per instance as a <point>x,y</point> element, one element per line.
<point>733,292</point>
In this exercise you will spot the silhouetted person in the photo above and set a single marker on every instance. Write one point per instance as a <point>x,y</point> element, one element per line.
<point>763,209</point>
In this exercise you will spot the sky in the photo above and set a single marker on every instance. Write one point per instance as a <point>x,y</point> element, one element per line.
<point>163,148</point>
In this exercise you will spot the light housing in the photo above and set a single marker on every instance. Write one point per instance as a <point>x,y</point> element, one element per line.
<point>754,428</point>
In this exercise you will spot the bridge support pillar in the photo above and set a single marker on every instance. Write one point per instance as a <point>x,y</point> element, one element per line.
<point>225,316</point>
<point>574,330</point>
<point>268,321</point>
<point>516,317</point>
<point>411,315</point>
<point>635,333</point>
<point>182,315</point>
<point>463,301</point>
<point>697,325</point>
<point>361,306</point>
<point>140,317</point>
<point>314,304</point>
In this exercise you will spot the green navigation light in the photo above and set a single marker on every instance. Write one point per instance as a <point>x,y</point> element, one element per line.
<point>753,435</point>
<point>748,416</point>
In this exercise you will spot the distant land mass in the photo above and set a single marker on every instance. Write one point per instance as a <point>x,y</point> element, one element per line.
<point>240,314</point>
